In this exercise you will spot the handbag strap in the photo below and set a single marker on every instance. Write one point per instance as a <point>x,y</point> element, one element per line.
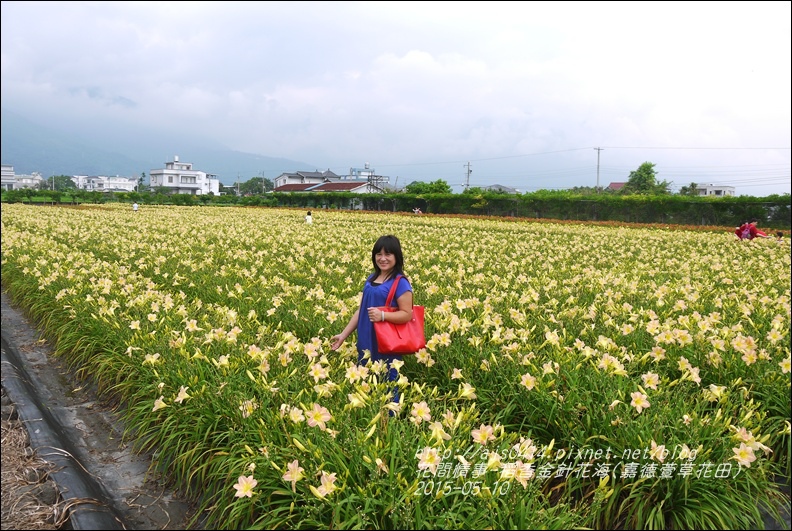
<point>392,291</point>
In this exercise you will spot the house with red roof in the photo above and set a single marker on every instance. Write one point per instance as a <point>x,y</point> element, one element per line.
<point>327,181</point>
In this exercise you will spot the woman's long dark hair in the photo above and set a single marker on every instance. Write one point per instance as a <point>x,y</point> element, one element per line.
<point>391,245</point>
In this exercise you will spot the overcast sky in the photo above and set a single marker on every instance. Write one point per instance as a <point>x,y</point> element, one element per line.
<point>523,92</point>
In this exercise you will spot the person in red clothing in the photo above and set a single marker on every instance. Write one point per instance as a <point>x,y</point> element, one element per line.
<point>748,231</point>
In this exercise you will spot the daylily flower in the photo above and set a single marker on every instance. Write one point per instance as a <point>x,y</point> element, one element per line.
<point>327,487</point>
<point>657,353</point>
<point>294,474</point>
<point>248,407</point>
<point>528,381</point>
<point>467,391</point>
<point>159,404</point>
<point>449,419</point>
<point>318,416</point>
<point>493,461</point>
<point>744,455</point>
<point>192,325</point>
<point>317,372</point>
<point>394,406</point>
<point>523,472</point>
<point>526,449</point>
<point>182,395</point>
<point>639,401</point>
<point>483,434</point>
<point>356,399</point>
<point>658,453</point>
<point>381,465</point>
<point>651,380</point>
<point>244,486</point>
<point>296,415</point>
<point>429,459</point>
<point>420,412</point>
<point>438,433</point>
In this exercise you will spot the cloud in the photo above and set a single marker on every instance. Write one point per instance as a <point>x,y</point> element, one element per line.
<point>409,86</point>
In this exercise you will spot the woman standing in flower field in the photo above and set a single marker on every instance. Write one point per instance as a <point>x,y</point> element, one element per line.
<point>388,262</point>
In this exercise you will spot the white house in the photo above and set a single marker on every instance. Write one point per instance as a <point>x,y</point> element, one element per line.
<point>181,178</point>
<point>101,183</point>
<point>33,180</point>
<point>711,189</point>
<point>9,179</point>
<point>305,177</point>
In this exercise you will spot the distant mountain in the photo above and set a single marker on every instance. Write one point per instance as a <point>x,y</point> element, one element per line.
<point>30,147</point>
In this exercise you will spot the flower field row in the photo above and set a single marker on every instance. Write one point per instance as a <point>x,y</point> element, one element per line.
<point>574,375</point>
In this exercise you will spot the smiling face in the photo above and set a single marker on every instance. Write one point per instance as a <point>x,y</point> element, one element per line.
<point>385,262</point>
<point>387,257</point>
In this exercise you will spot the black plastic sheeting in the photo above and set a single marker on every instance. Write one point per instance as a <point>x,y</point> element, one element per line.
<point>92,509</point>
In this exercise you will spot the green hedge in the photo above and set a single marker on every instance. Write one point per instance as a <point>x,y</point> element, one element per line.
<point>773,211</point>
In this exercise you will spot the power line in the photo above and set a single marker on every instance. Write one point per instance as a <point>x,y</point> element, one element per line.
<point>702,148</point>
<point>584,148</point>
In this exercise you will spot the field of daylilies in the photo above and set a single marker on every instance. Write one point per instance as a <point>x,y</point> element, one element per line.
<point>575,376</point>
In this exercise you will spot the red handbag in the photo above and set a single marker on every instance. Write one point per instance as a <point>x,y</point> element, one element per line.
<point>405,338</point>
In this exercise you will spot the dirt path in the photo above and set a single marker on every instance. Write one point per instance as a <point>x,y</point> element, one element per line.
<point>101,483</point>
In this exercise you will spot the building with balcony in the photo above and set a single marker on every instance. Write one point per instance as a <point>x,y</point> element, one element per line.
<point>33,181</point>
<point>180,178</point>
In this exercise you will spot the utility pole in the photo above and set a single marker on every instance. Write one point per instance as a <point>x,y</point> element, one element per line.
<point>467,178</point>
<point>598,157</point>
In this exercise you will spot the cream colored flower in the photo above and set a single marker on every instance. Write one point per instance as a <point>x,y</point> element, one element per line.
<point>182,395</point>
<point>152,359</point>
<point>651,380</point>
<point>244,486</point>
<point>528,381</point>
<point>294,474</point>
<point>420,412</point>
<point>467,391</point>
<point>744,455</point>
<point>639,401</point>
<point>438,433</point>
<point>429,460</point>
<point>318,416</point>
<point>159,404</point>
<point>657,452</point>
<point>483,434</point>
